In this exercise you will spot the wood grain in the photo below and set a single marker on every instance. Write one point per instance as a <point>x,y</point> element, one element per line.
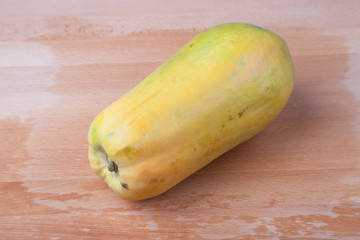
<point>63,62</point>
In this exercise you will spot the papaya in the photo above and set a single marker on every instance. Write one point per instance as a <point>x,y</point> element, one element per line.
<point>222,88</point>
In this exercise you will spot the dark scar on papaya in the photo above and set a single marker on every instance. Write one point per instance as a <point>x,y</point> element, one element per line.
<point>113,167</point>
<point>242,112</point>
<point>124,185</point>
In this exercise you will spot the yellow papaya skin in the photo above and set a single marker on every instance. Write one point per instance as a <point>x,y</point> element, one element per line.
<point>223,87</point>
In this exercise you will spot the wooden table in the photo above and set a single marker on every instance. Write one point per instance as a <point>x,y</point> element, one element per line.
<point>62,62</point>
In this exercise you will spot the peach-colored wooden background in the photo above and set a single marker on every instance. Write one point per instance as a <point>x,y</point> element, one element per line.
<point>62,62</point>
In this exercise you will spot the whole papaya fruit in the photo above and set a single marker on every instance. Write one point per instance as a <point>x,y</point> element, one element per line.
<point>223,87</point>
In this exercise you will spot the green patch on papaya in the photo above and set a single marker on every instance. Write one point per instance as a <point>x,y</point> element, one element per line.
<point>241,61</point>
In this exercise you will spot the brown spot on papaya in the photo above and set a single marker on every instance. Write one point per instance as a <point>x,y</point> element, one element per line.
<point>154,180</point>
<point>145,172</point>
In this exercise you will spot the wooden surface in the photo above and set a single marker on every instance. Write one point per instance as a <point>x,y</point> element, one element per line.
<point>62,62</point>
